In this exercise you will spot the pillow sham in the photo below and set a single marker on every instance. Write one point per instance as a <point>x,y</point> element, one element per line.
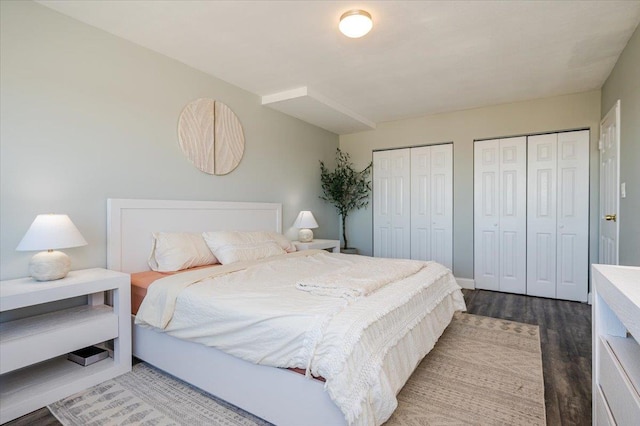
<point>230,253</point>
<point>217,238</point>
<point>175,251</point>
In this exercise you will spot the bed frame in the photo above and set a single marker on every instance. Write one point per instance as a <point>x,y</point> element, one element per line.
<point>277,395</point>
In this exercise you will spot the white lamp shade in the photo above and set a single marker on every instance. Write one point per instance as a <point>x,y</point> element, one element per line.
<point>51,231</point>
<point>305,220</point>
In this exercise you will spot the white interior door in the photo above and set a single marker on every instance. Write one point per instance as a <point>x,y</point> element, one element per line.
<point>500,189</point>
<point>609,185</point>
<point>432,203</point>
<point>558,215</point>
<point>391,204</point>
<point>541,215</point>
<point>572,273</point>
<point>401,205</point>
<point>486,188</point>
<point>421,203</point>
<point>442,204</point>
<point>382,204</point>
<point>513,214</point>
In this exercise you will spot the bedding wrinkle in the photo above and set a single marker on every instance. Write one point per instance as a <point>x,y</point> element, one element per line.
<point>352,365</point>
<point>360,279</point>
<point>158,307</point>
<point>254,311</point>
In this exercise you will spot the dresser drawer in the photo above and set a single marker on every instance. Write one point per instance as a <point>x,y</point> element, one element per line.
<point>619,393</point>
<point>603,416</point>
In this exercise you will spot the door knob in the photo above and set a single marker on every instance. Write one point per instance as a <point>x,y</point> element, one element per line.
<point>610,217</point>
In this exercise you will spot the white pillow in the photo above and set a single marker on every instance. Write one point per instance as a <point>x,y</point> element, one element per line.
<point>230,253</point>
<point>217,238</point>
<point>286,244</point>
<point>174,251</point>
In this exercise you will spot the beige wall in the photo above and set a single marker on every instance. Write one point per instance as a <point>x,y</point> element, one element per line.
<point>576,111</point>
<point>87,116</point>
<point>624,84</point>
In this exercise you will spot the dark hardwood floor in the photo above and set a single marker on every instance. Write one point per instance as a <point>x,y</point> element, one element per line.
<point>565,336</point>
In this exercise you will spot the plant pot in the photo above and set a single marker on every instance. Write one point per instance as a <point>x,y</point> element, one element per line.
<point>349,250</point>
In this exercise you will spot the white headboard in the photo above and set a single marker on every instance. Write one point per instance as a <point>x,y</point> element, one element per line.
<point>130,224</point>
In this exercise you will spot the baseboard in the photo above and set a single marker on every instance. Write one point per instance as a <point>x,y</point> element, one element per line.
<point>466,283</point>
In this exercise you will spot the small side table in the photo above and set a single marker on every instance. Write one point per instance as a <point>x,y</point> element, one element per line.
<point>33,351</point>
<point>333,245</point>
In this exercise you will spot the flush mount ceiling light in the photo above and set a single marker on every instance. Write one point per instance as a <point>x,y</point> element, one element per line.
<point>355,23</point>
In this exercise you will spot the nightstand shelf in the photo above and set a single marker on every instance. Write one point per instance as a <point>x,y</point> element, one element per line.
<point>33,350</point>
<point>24,390</point>
<point>35,339</point>
<point>333,245</point>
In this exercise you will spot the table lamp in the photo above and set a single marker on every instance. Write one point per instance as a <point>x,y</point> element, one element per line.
<point>49,232</point>
<point>305,221</point>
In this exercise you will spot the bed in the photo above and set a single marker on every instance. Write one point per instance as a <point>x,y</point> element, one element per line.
<point>279,395</point>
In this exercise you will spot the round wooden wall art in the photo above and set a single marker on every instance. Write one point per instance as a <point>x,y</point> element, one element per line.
<point>211,136</point>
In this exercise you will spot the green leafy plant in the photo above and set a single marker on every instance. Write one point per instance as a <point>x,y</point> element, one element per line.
<point>345,188</point>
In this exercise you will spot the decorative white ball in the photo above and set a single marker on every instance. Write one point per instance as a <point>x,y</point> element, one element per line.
<point>49,266</point>
<point>305,235</point>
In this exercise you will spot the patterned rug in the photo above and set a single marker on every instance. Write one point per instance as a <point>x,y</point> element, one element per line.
<point>147,396</point>
<point>483,371</point>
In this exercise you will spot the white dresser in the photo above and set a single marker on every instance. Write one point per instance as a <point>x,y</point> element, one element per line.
<point>616,352</point>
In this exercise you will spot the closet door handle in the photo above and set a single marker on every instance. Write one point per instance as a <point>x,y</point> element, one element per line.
<point>610,217</point>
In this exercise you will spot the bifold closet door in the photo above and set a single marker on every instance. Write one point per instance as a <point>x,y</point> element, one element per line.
<point>391,203</point>
<point>500,247</point>
<point>558,215</point>
<point>432,203</point>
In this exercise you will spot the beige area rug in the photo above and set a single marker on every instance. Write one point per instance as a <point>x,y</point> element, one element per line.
<point>483,371</point>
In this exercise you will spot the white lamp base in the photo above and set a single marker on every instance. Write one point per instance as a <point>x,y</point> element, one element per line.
<point>49,265</point>
<point>305,235</point>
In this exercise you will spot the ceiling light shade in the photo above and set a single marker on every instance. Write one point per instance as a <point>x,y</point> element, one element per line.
<point>355,23</point>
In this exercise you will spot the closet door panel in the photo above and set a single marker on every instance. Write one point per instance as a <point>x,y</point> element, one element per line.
<point>382,204</point>
<point>513,215</point>
<point>420,203</point>
<point>413,203</point>
<point>573,216</point>
<point>401,205</point>
<point>541,215</point>
<point>486,214</point>
<point>392,215</point>
<point>442,204</point>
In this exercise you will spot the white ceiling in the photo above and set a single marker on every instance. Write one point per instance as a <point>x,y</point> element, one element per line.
<point>422,57</point>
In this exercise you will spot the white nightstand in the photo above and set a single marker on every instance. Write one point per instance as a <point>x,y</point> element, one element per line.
<point>334,245</point>
<point>33,350</point>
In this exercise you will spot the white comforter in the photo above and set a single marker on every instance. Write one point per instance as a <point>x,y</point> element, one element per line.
<point>253,310</point>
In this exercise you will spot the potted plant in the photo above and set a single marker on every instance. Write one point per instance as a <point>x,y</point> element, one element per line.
<point>345,188</point>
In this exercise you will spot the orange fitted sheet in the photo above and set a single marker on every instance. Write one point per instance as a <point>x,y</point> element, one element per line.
<point>140,282</point>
